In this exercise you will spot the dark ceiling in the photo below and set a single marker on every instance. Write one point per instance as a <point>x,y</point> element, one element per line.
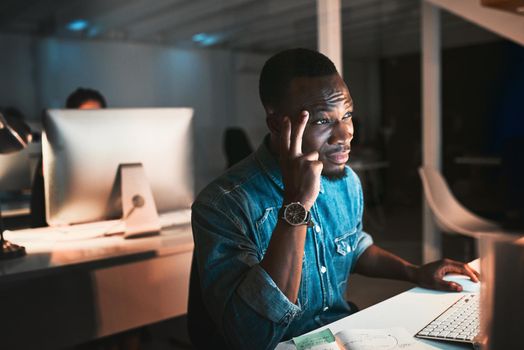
<point>371,28</point>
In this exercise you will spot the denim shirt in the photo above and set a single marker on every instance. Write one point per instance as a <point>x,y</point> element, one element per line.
<point>233,219</point>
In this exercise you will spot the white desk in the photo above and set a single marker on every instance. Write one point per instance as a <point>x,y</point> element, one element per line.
<point>411,310</point>
<point>67,291</point>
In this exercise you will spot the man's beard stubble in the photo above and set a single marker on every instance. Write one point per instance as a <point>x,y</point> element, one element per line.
<point>335,175</point>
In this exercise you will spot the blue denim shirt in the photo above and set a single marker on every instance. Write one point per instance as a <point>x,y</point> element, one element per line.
<point>233,219</point>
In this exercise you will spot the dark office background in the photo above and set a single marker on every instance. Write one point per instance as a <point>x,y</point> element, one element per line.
<point>213,66</point>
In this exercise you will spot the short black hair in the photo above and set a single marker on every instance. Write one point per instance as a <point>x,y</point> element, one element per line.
<point>280,69</point>
<point>81,95</point>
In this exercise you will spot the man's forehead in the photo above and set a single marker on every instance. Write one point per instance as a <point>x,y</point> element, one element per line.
<point>315,91</point>
<point>317,85</point>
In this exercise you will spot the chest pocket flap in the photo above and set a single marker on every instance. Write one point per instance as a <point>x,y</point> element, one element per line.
<point>344,244</point>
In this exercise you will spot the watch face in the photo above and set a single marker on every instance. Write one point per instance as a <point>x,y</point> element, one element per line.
<point>295,214</point>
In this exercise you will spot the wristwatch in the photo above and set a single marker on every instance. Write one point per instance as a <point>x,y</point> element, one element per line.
<point>296,214</point>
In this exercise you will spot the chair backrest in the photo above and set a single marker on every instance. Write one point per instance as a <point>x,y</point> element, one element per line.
<point>450,215</point>
<point>236,145</point>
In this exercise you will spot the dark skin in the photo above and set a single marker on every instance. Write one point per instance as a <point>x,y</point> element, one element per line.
<point>311,132</point>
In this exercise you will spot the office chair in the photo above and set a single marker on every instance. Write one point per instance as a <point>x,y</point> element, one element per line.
<point>236,145</point>
<point>450,215</point>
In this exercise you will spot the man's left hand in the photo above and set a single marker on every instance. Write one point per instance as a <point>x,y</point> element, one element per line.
<point>432,275</point>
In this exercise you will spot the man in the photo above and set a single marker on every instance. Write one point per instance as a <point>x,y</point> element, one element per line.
<point>277,236</point>
<point>84,98</point>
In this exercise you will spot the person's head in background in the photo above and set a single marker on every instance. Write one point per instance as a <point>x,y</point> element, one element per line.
<point>83,98</point>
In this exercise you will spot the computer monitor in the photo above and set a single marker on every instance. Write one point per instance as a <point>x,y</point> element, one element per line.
<point>84,150</point>
<point>502,291</point>
<point>15,171</point>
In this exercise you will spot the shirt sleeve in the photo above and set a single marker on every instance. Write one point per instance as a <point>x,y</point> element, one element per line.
<point>364,240</point>
<point>246,305</point>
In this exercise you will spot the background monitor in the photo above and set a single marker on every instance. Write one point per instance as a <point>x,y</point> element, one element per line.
<point>82,151</point>
<point>15,171</point>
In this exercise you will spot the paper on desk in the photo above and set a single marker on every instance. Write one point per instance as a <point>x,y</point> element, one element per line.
<point>323,340</point>
<point>379,339</point>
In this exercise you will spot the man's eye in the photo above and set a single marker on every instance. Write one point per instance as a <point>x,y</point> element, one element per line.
<point>321,121</point>
<point>347,115</point>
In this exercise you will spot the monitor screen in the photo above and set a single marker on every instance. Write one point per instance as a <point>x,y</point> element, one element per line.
<point>83,149</point>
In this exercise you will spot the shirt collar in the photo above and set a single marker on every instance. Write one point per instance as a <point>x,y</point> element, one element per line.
<point>270,165</point>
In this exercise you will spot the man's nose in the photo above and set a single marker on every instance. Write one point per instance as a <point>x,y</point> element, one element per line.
<point>342,133</point>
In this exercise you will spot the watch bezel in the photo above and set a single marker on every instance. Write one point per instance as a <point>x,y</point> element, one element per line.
<point>290,219</point>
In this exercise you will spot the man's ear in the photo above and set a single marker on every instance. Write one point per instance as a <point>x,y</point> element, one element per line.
<point>273,123</point>
<point>272,120</point>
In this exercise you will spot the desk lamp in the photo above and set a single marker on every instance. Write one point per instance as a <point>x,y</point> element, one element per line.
<point>15,135</point>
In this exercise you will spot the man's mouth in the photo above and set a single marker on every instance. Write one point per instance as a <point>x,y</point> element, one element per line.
<point>339,157</point>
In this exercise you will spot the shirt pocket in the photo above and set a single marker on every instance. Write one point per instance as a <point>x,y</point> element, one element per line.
<point>344,247</point>
<point>264,228</point>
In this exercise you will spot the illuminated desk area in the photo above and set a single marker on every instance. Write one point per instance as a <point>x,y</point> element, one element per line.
<point>66,291</point>
<point>411,310</point>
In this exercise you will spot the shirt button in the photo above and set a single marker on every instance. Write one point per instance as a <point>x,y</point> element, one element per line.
<point>317,228</point>
<point>326,308</point>
<point>323,269</point>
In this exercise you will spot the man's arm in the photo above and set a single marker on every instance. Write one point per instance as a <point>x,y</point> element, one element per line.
<point>377,262</point>
<point>244,303</point>
<point>301,177</point>
<point>254,301</point>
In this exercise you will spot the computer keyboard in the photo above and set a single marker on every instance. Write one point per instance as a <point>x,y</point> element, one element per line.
<point>458,323</point>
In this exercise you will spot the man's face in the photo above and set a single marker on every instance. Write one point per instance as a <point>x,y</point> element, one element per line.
<point>90,104</point>
<point>329,129</point>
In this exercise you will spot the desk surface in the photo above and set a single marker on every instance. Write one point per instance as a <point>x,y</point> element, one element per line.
<point>411,310</point>
<point>51,249</point>
<point>71,288</point>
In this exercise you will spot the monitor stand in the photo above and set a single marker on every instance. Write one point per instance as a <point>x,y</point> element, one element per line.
<point>138,205</point>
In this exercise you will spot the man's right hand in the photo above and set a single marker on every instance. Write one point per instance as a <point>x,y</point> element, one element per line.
<point>300,172</point>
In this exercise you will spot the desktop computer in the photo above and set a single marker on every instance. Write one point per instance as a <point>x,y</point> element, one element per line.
<point>502,290</point>
<point>123,164</point>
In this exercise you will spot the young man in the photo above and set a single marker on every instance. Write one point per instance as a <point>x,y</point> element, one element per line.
<point>277,236</point>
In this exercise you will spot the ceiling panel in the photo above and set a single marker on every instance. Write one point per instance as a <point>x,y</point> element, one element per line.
<point>370,27</point>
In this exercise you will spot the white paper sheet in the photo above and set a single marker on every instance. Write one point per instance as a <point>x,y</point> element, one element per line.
<point>379,339</point>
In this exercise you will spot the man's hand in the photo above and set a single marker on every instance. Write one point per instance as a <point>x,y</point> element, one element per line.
<point>301,177</point>
<point>377,262</point>
<point>300,172</point>
<point>431,275</point>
